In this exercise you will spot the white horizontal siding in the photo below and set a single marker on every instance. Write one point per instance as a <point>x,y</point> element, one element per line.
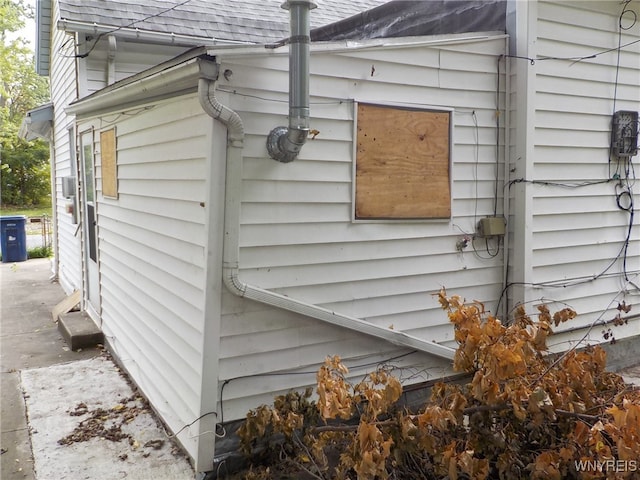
<point>579,232</point>
<point>297,236</point>
<point>243,393</point>
<point>63,84</point>
<point>151,249</point>
<point>129,58</point>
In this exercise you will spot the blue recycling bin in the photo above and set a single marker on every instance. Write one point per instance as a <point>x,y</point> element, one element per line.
<point>13,238</point>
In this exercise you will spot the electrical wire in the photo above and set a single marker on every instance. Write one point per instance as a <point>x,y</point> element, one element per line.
<point>550,183</point>
<point>487,249</point>
<point>575,59</point>
<point>284,373</point>
<point>277,100</point>
<point>623,191</point>
<point>101,35</point>
<point>189,424</point>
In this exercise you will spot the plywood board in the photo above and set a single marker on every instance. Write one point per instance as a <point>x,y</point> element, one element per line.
<point>66,305</point>
<point>109,163</point>
<point>402,163</point>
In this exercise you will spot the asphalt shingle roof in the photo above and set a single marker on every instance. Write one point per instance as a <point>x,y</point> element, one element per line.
<point>258,21</point>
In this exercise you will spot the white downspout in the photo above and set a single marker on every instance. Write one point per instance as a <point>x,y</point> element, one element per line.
<point>112,49</point>
<point>506,200</point>
<point>231,249</point>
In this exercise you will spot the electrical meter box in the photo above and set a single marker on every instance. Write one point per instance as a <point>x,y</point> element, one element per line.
<point>624,137</point>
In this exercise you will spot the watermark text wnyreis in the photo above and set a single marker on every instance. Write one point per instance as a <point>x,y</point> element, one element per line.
<point>606,466</point>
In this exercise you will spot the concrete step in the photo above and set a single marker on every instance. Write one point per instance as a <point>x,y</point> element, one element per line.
<point>79,331</point>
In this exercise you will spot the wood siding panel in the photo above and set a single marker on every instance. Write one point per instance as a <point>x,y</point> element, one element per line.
<point>297,236</point>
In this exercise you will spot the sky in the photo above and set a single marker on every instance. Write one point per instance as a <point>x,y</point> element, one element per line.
<point>29,30</point>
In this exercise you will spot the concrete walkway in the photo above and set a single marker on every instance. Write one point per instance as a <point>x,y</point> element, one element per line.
<point>48,391</point>
<point>28,339</point>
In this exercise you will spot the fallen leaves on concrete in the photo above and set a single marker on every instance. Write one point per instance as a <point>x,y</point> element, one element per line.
<point>108,423</point>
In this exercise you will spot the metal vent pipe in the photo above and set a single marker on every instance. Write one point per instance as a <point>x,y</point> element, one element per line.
<point>284,143</point>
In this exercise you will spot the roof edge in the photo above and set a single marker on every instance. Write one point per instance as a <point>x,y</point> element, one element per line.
<point>337,46</point>
<point>179,75</point>
<point>150,36</point>
<point>37,123</point>
<point>175,75</point>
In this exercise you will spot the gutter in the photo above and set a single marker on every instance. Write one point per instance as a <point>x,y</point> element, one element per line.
<point>231,245</point>
<point>76,26</point>
<point>162,83</point>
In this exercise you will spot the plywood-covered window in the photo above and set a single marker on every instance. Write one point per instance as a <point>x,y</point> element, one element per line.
<point>109,164</point>
<point>403,162</point>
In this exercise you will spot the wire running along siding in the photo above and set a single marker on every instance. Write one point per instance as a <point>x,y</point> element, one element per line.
<point>578,232</point>
<point>297,235</point>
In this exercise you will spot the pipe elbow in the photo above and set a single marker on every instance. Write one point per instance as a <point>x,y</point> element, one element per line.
<point>212,106</point>
<point>284,143</point>
<point>233,283</point>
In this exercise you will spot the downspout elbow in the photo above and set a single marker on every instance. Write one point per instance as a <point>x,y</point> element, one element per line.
<point>232,281</point>
<point>218,111</point>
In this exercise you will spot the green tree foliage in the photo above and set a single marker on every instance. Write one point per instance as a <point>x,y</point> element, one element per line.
<point>24,166</point>
<point>25,173</point>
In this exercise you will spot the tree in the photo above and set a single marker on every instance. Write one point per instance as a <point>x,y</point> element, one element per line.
<point>25,173</point>
<point>23,165</point>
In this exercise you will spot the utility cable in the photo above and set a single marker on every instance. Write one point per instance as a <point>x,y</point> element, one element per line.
<point>99,37</point>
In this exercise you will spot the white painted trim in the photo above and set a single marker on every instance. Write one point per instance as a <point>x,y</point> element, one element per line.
<point>86,274</point>
<point>213,298</point>
<point>506,201</point>
<point>526,37</point>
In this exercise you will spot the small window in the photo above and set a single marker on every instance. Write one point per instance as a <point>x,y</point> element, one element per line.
<point>109,166</point>
<point>402,163</point>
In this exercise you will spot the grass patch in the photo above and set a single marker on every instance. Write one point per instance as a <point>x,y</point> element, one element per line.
<point>32,211</point>
<point>39,252</point>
